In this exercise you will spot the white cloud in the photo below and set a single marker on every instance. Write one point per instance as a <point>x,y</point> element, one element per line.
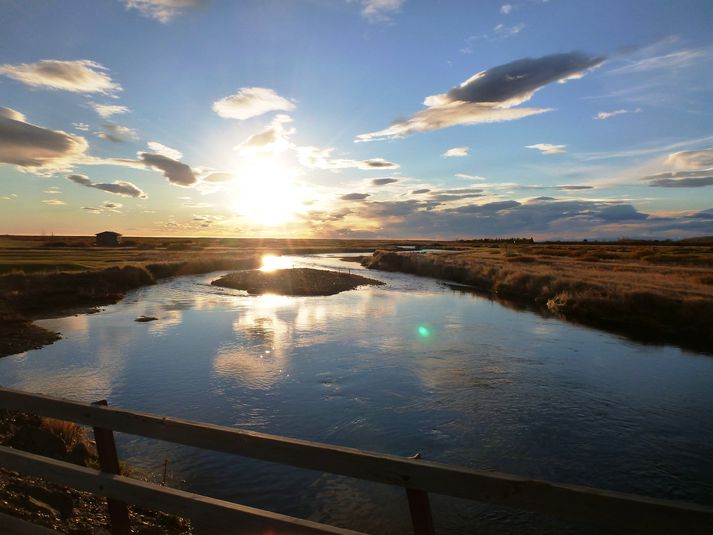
<point>117,133</point>
<point>674,60</point>
<point>380,10</point>
<point>503,31</point>
<point>547,148</point>
<point>107,110</point>
<point>82,127</point>
<point>250,102</point>
<point>506,9</point>
<point>692,159</point>
<point>470,177</point>
<point>163,10</point>
<point>456,152</point>
<point>53,202</point>
<point>162,149</point>
<point>603,115</point>
<point>79,76</point>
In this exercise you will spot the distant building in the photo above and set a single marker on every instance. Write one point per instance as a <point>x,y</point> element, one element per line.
<point>108,238</point>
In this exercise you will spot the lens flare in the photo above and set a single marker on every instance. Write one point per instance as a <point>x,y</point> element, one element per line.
<point>423,331</point>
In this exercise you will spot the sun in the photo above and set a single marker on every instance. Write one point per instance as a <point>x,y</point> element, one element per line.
<point>267,194</point>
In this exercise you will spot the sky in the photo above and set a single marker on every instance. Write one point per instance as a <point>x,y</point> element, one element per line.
<point>552,119</point>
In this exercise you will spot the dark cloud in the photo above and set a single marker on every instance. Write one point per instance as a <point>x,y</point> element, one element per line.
<point>573,188</point>
<point>383,181</point>
<point>491,95</point>
<point>176,172</point>
<point>420,191</point>
<point>29,146</point>
<point>118,187</point>
<point>354,196</point>
<point>681,179</point>
<point>379,163</point>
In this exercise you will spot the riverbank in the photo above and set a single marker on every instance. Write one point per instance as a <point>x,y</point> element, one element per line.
<point>63,509</point>
<point>296,282</point>
<point>651,296</point>
<point>25,297</point>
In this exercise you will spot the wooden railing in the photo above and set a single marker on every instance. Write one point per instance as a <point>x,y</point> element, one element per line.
<point>418,477</point>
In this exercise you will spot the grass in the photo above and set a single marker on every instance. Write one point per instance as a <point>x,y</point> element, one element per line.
<point>297,281</point>
<point>656,294</point>
<point>70,433</point>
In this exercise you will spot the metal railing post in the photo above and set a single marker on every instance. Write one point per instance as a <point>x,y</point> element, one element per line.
<point>109,463</point>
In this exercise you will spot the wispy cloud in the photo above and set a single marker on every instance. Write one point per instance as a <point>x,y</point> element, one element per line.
<point>163,10</point>
<point>603,115</point>
<point>79,76</point>
<point>380,10</point>
<point>53,202</point>
<point>547,148</point>
<point>506,9</point>
<point>491,95</point>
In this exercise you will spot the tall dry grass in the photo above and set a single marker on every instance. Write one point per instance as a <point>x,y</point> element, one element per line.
<point>644,295</point>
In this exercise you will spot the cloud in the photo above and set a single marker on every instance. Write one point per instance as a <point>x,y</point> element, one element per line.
<point>456,152</point>
<point>383,181</point>
<point>354,196</point>
<point>380,10</point>
<point>547,148</point>
<point>53,190</point>
<point>159,148</point>
<point>603,115</point>
<point>79,76</point>
<point>470,177</point>
<point>83,127</point>
<point>163,10</point>
<point>503,31</point>
<point>92,209</point>
<point>250,102</point>
<point>112,205</point>
<point>118,187</point>
<point>36,148</point>
<point>681,179</point>
<point>107,110</point>
<point>320,158</point>
<point>218,177</point>
<point>117,133</point>
<point>53,202</point>
<point>692,159</point>
<point>671,61</point>
<point>573,188</point>
<point>506,9</point>
<point>275,138</point>
<point>491,95</point>
<point>176,172</point>
<point>420,191</point>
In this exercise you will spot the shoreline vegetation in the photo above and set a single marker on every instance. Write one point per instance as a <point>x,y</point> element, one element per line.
<point>650,294</point>
<point>294,282</point>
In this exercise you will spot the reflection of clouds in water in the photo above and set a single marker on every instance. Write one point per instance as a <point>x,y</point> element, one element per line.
<point>166,320</point>
<point>258,357</point>
<point>88,379</point>
<point>74,326</point>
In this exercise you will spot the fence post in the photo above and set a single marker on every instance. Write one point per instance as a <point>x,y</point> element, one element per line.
<point>420,507</point>
<point>109,462</point>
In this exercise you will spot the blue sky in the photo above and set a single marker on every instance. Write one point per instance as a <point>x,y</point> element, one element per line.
<point>362,118</point>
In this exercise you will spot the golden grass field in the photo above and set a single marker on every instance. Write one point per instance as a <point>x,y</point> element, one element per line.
<point>653,293</point>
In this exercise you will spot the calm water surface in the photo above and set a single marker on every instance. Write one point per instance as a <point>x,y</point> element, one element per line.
<point>488,387</point>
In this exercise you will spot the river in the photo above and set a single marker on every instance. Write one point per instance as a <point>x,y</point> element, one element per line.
<point>412,366</point>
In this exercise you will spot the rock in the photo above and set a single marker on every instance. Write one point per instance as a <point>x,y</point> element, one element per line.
<point>38,440</point>
<point>144,319</point>
<point>58,501</point>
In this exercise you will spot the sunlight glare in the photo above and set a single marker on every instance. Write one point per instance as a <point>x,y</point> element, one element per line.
<point>272,263</point>
<point>267,194</point>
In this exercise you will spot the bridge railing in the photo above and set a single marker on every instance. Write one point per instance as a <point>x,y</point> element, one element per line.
<point>418,477</point>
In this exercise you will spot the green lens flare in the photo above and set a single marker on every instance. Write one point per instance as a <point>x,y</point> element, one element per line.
<point>423,331</point>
